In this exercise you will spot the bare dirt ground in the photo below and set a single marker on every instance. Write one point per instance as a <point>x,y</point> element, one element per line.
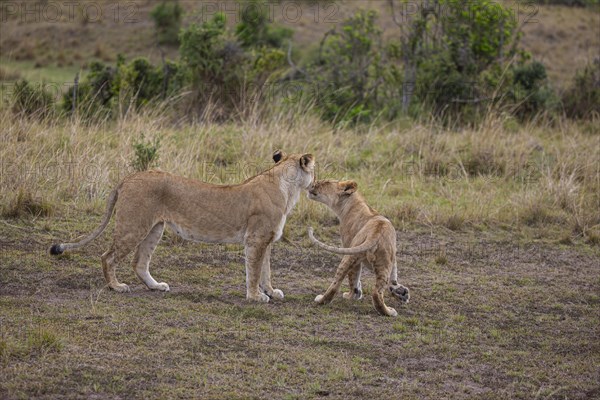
<point>490,317</point>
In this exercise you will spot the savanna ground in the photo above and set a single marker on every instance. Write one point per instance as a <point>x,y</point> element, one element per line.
<point>497,237</point>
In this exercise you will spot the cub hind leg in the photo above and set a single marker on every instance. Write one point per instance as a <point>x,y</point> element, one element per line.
<point>354,283</point>
<point>400,292</point>
<point>382,273</point>
<point>143,254</point>
<point>348,263</point>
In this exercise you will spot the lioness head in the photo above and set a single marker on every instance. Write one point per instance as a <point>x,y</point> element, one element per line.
<point>296,169</point>
<point>332,193</point>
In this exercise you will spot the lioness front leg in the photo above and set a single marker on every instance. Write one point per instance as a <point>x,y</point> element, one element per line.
<point>348,262</point>
<point>143,254</point>
<point>354,282</point>
<point>265,277</point>
<point>255,253</point>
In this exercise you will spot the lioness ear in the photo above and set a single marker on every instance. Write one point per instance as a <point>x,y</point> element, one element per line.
<point>307,162</point>
<point>278,155</point>
<point>348,187</point>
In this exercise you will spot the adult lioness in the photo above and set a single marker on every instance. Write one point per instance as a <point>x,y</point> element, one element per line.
<point>369,238</point>
<point>253,212</point>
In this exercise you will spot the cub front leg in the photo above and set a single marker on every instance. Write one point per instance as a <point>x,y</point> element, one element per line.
<point>265,276</point>
<point>255,255</point>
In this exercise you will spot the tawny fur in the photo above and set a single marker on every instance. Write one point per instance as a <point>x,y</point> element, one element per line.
<point>369,239</point>
<point>253,213</point>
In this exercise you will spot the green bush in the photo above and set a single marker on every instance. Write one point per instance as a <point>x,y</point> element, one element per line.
<point>137,83</point>
<point>167,19</point>
<point>31,100</point>
<point>530,92</point>
<point>140,81</point>
<point>145,154</point>
<point>223,73</point>
<point>582,98</point>
<point>349,70</point>
<point>255,29</point>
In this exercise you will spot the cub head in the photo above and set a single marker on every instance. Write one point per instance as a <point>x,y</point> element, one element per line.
<point>332,193</point>
<point>296,169</point>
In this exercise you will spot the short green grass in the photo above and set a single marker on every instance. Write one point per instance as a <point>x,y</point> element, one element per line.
<point>498,319</point>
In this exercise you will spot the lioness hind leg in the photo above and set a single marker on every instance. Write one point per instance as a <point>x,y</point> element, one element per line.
<point>348,262</point>
<point>354,283</point>
<point>265,277</point>
<point>382,272</point>
<point>143,254</point>
<point>126,239</point>
<point>108,267</point>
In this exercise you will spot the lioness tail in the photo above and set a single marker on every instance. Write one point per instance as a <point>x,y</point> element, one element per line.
<point>60,248</point>
<point>341,250</point>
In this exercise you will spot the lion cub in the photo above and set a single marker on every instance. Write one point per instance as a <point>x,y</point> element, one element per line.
<point>369,239</point>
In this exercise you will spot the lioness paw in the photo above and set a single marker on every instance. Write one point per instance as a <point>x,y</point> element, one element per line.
<point>319,299</point>
<point>120,288</point>
<point>277,294</point>
<point>162,286</point>
<point>391,312</point>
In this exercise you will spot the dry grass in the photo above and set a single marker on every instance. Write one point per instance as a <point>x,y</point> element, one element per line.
<point>415,174</point>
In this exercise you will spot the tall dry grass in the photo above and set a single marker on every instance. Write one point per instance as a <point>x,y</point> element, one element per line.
<point>543,177</point>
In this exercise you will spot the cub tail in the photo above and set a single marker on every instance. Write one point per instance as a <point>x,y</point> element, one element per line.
<point>343,250</point>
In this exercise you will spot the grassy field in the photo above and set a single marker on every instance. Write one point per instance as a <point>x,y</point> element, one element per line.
<point>498,233</point>
<point>489,318</point>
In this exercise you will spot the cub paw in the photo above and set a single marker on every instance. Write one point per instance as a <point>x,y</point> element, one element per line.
<point>319,299</point>
<point>163,287</point>
<point>356,294</point>
<point>120,288</point>
<point>391,312</point>
<point>400,292</point>
<point>277,294</point>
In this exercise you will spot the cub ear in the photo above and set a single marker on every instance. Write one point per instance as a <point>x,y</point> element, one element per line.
<point>348,187</point>
<point>307,162</point>
<point>278,155</point>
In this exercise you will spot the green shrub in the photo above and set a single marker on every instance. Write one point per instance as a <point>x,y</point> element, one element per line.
<point>145,154</point>
<point>582,98</point>
<point>531,93</point>
<point>141,81</point>
<point>31,100</point>
<point>223,73</point>
<point>255,29</point>
<point>167,19</point>
<point>93,97</point>
<point>349,69</point>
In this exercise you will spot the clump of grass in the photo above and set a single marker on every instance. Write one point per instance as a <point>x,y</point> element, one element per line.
<point>441,259</point>
<point>454,222</point>
<point>24,204</point>
<point>37,342</point>
<point>43,341</point>
<point>9,75</point>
